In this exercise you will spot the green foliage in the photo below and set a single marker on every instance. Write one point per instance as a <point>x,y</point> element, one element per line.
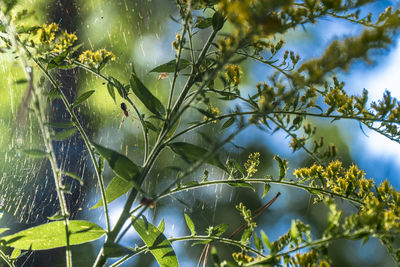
<point>238,31</point>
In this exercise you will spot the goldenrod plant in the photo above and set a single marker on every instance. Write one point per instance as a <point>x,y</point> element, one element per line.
<point>206,76</point>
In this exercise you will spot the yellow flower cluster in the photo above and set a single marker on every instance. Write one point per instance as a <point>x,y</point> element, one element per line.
<point>338,179</point>
<point>175,44</point>
<point>66,42</point>
<point>252,163</point>
<point>47,33</point>
<point>241,258</point>
<point>97,57</point>
<point>215,112</point>
<point>232,73</point>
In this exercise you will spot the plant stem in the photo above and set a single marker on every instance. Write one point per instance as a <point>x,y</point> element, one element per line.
<point>5,258</point>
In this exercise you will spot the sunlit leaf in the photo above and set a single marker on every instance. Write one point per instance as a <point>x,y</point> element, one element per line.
<point>147,98</point>
<point>170,66</point>
<point>190,224</point>
<point>3,230</point>
<point>193,153</point>
<point>116,188</point>
<point>82,98</point>
<point>34,153</point>
<point>64,134</point>
<point>53,235</point>
<point>121,165</point>
<point>15,254</point>
<point>161,226</point>
<point>157,243</point>
<point>266,240</point>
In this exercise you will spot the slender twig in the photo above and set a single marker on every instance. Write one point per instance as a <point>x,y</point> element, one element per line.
<point>6,259</point>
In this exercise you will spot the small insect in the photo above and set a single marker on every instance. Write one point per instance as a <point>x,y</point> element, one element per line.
<point>126,114</point>
<point>147,202</point>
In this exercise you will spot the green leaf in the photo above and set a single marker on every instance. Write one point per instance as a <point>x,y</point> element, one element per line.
<point>203,23</point>
<point>227,124</point>
<point>64,134</point>
<point>116,188</point>
<point>193,153</point>
<point>258,243</point>
<point>266,240</point>
<point>110,89</point>
<point>217,21</point>
<point>220,229</point>
<point>82,98</point>
<point>246,235</point>
<point>53,235</point>
<point>151,126</point>
<point>161,226</point>
<point>113,250</point>
<point>170,66</point>
<point>294,231</point>
<point>57,60</point>
<point>190,224</point>
<point>174,128</point>
<point>157,243</point>
<point>66,124</point>
<point>3,230</point>
<point>121,165</point>
<point>241,184</point>
<point>266,190</point>
<point>122,91</point>
<point>15,254</point>
<point>148,99</point>
<point>34,153</point>
<point>56,217</point>
<point>74,176</point>
<point>282,167</point>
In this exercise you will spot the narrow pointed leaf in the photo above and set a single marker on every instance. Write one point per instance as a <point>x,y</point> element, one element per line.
<point>170,66</point>
<point>147,98</point>
<point>110,89</point>
<point>157,243</point>
<point>258,243</point>
<point>34,153</point>
<point>220,229</point>
<point>161,226</point>
<point>53,235</point>
<point>193,153</point>
<point>15,254</point>
<point>227,124</point>
<point>66,124</point>
<point>116,188</point>
<point>82,98</point>
<point>190,224</point>
<point>266,190</point>
<point>217,21</point>
<point>57,60</point>
<point>64,134</point>
<point>241,184</point>
<point>74,176</point>
<point>266,240</point>
<point>121,165</point>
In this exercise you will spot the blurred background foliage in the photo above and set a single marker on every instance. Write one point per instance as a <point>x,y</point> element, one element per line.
<point>140,32</point>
